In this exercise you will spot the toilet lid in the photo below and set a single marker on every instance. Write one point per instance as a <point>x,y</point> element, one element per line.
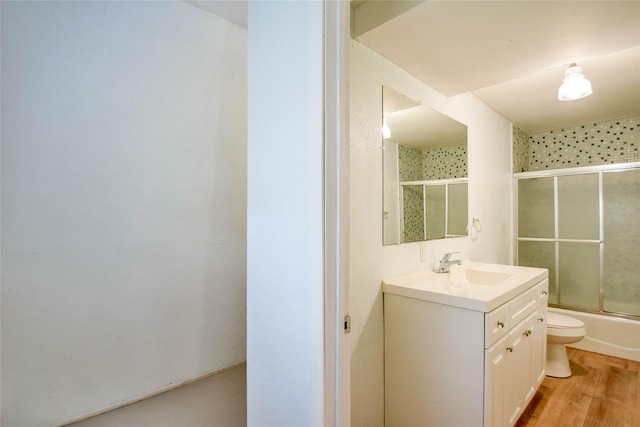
<point>555,320</point>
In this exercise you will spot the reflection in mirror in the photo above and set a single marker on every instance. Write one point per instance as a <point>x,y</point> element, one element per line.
<point>413,213</point>
<point>424,170</point>
<point>458,208</point>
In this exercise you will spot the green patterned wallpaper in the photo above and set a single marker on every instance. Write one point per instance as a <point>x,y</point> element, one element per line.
<point>614,141</point>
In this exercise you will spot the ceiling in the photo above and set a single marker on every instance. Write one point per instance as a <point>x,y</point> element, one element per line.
<point>513,54</point>
<point>234,11</point>
<point>414,125</point>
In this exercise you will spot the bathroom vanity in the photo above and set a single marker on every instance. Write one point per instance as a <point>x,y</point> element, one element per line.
<point>464,348</point>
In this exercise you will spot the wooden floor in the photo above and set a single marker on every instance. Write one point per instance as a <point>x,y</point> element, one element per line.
<point>603,391</point>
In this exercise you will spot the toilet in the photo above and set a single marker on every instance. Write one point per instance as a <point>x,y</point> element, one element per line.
<point>561,330</point>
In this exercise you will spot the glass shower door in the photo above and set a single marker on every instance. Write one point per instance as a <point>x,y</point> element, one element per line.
<point>621,194</point>
<point>584,226</point>
<point>536,227</point>
<point>578,228</point>
<point>436,196</point>
<point>457,209</point>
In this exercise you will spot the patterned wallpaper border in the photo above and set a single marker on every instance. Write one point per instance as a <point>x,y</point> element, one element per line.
<point>614,141</point>
<point>436,163</point>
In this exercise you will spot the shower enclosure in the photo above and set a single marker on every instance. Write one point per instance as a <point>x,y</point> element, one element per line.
<point>583,224</point>
<point>435,209</point>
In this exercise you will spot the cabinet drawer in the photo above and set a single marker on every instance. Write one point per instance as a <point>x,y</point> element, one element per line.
<point>498,322</point>
<point>543,293</point>
<point>522,305</point>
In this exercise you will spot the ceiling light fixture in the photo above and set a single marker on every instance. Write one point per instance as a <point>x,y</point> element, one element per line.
<point>575,86</point>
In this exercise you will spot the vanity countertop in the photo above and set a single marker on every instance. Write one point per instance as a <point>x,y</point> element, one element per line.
<point>472,285</point>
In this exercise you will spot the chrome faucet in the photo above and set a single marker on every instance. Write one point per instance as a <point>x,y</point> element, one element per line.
<point>446,262</point>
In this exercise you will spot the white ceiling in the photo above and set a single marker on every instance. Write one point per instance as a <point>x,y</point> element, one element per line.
<point>234,11</point>
<point>513,54</point>
<point>414,125</point>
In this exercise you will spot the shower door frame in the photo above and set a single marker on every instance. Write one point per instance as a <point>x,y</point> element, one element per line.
<point>430,183</point>
<point>555,173</point>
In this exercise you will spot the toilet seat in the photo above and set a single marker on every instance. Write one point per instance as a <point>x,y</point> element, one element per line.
<point>560,321</point>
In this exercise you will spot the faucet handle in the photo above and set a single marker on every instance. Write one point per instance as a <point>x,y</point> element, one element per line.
<point>447,256</point>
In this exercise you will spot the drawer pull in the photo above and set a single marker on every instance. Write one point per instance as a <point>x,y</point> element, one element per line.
<point>501,323</point>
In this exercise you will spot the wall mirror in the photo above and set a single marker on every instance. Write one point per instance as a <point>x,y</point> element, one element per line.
<point>424,172</point>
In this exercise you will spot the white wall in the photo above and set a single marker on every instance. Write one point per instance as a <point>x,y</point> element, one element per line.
<point>489,142</point>
<point>285,283</point>
<point>297,244</point>
<point>123,203</point>
<point>215,401</point>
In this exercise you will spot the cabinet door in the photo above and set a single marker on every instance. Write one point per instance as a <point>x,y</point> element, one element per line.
<point>541,351</point>
<point>496,389</point>
<point>531,348</point>
<point>517,377</point>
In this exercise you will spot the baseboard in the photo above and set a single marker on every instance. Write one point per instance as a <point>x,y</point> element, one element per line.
<point>146,396</point>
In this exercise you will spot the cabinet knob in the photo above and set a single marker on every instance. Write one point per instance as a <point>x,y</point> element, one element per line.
<point>501,323</point>
<point>541,319</point>
<point>545,293</point>
<point>510,349</point>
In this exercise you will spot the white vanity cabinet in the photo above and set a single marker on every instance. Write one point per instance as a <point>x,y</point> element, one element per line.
<point>449,364</point>
<point>515,359</point>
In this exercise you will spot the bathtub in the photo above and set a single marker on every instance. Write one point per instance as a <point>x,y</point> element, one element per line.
<point>609,335</point>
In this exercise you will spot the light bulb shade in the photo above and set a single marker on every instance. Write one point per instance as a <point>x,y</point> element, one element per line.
<point>386,131</point>
<point>574,86</point>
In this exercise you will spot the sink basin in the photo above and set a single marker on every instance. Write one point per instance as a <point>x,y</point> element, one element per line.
<point>473,285</point>
<point>481,277</point>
